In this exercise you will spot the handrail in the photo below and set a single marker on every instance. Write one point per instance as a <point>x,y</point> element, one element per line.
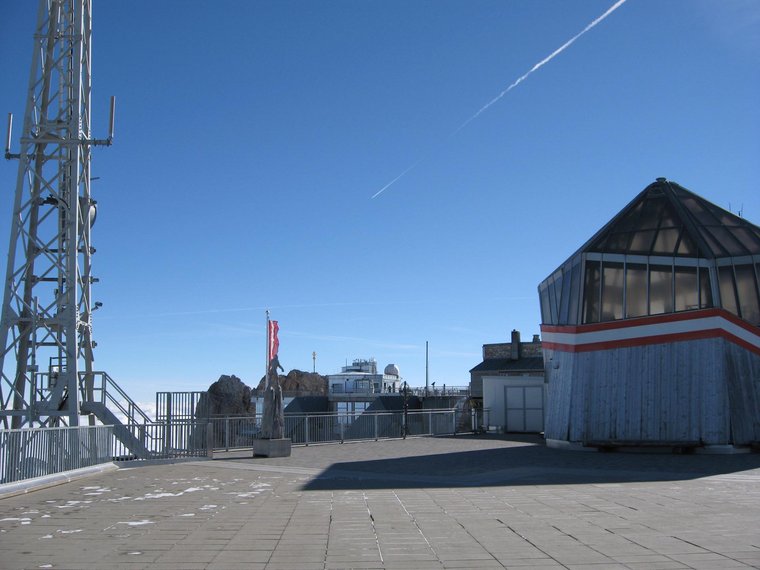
<point>34,452</point>
<point>133,412</point>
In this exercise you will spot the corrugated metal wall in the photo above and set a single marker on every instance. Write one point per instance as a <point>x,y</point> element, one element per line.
<point>703,390</point>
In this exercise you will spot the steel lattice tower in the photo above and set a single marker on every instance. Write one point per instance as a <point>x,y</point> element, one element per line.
<point>46,328</point>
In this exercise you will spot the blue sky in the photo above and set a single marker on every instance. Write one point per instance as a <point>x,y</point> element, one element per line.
<point>251,136</point>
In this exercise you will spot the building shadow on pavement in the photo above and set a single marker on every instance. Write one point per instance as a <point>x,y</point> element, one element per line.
<point>528,465</point>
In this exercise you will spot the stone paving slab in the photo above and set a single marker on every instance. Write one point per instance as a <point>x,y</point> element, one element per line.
<point>464,502</point>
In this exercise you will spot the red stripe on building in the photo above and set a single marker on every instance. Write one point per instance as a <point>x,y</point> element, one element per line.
<point>651,320</point>
<point>652,323</point>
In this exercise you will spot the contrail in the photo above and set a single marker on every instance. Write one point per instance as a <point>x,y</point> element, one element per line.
<point>514,84</point>
<point>376,194</point>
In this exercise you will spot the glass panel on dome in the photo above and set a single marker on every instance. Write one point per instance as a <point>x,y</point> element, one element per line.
<point>617,243</point>
<point>746,287</point>
<point>668,218</point>
<point>635,290</point>
<point>651,213</point>
<point>666,241</point>
<point>564,299</point>
<point>748,239</point>
<point>705,289</point>
<point>727,240</point>
<point>686,246</point>
<point>716,248</point>
<point>546,316</point>
<point>702,216</point>
<point>575,293</point>
<point>554,290</point>
<point>727,291</point>
<point>591,293</point>
<point>686,288</point>
<point>630,221</point>
<point>724,218</point>
<point>642,242</point>
<point>612,291</point>
<point>660,289</point>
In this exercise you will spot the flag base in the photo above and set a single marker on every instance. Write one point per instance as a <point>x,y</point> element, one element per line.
<point>271,447</point>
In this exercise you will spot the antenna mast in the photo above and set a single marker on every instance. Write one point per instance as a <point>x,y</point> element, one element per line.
<point>46,358</point>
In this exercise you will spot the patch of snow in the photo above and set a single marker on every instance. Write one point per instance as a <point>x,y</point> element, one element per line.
<point>70,504</point>
<point>69,531</point>
<point>136,523</point>
<point>156,496</point>
<point>161,494</point>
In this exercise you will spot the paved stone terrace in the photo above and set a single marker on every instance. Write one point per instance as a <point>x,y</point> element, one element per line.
<point>464,502</point>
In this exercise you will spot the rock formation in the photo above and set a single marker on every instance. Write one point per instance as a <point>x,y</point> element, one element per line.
<point>228,396</point>
<point>300,381</point>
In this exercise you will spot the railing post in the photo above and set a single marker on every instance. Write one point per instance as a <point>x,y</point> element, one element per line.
<point>226,433</point>
<point>454,422</point>
<point>306,431</point>
<point>340,423</point>
<point>376,438</point>
<point>210,440</point>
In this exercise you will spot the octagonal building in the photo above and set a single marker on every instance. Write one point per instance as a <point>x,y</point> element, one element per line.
<point>651,330</point>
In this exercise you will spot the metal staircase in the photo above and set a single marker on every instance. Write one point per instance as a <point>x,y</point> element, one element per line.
<point>109,403</point>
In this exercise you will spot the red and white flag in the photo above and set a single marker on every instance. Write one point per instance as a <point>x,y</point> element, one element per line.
<point>274,342</point>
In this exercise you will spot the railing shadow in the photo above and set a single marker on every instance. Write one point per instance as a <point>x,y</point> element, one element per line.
<point>527,465</point>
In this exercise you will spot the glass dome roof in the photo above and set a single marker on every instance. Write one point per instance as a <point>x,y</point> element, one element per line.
<point>667,251</point>
<point>668,219</point>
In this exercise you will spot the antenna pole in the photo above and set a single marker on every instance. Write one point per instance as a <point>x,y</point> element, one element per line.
<point>8,138</point>
<point>111,119</point>
<point>426,368</point>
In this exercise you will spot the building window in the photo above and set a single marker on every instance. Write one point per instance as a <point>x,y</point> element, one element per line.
<point>592,293</point>
<point>746,288</point>
<point>660,289</point>
<point>727,289</point>
<point>686,288</point>
<point>635,290</point>
<point>612,291</point>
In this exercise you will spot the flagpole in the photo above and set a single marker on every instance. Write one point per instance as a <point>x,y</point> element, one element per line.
<point>269,349</point>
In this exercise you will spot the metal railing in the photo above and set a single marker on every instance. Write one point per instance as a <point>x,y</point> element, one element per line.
<point>239,432</point>
<point>110,394</point>
<point>34,452</point>
<point>182,405</point>
<point>165,440</point>
<point>444,390</point>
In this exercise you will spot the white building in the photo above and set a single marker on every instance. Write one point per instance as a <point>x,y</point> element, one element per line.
<point>361,377</point>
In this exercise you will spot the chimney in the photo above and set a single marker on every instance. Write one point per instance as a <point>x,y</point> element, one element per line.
<point>514,352</point>
<point>536,339</point>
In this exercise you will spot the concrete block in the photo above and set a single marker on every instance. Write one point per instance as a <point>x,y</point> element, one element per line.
<point>272,447</point>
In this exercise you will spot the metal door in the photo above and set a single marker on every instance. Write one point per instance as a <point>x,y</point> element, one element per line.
<point>524,406</point>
